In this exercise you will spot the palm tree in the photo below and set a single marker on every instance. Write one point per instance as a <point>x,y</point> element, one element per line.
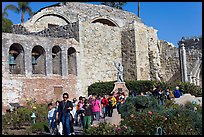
<point>117,5</point>
<point>22,8</point>
<point>4,13</point>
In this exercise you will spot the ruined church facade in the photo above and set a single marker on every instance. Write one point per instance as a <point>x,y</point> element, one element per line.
<point>66,48</point>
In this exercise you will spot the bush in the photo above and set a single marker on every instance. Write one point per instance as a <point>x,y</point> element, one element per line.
<point>101,88</point>
<point>102,129</point>
<point>144,123</point>
<point>40,127</point>
<point>182,121</point>
<point>137,103</point>
<point>22,115</point>
<point>104,88</point>
<point>141,86</point>
<point>191,88</point>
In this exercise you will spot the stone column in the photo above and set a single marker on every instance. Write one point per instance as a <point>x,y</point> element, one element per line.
<point>48,60</point>
<point>64,63</point>
<point>28,61</point>
<point>183,63</point>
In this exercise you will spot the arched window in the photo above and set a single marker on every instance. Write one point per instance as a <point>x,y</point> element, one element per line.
<point>56,60</point>
<point>105,21</point>
<point>72,64</point>
<point>16,59</point>
<point>38,60</point>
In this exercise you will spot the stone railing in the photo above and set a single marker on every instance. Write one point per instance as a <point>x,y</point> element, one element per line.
<point>66,31</point>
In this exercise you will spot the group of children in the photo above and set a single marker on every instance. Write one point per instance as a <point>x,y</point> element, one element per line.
<point>86,110</point>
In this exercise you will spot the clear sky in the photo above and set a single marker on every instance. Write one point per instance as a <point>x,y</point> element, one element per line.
<point>173,20</point>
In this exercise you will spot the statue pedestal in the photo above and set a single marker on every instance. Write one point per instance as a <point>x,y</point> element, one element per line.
<point>120,87</point>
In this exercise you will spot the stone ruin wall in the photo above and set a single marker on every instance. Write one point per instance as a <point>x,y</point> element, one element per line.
<point>170,65</point>
<point>101,46</point>
<point>193,47</point>
<point>66,31</point>
<point>193,52</point>
<point>128,53</point>
<point>76,11</point>
<point>17,87</point>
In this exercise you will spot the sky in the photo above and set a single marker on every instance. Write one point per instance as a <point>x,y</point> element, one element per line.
<point>173,20</point>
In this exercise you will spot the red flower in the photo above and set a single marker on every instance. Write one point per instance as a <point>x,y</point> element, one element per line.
<point>150,112</point>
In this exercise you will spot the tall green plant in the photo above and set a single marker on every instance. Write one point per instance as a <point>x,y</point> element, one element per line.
<point>23,7</point>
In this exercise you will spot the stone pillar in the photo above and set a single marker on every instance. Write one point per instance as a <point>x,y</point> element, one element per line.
<point>183,63</point>
<point>48,60</point>
<point>64,63</point>
<point>28,62</point>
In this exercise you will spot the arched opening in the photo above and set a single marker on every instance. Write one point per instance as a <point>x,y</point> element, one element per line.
<point>72,64</point>
<point>38,60</point>
<point>16,59</point>
<point>56,60</point>
<point>105,21</point>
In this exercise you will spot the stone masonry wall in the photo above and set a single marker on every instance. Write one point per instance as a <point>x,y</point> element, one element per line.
<point>76,11</point>
<point>170,62</point>
<point>193,52</point>
<point>128,53</point>
<point>142,57</point>
<point>66,31</point>
<point>17,87</point>
<point>101,46</point>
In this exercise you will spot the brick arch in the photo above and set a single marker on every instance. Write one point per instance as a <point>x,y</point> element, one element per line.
<point>16,59</point>
<point>38,60</point>
<point>104,20</point>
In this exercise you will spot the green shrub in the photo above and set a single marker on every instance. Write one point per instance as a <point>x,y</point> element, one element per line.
<point>139,103</point>
<point>102,129</point>
<point>104,88</point>
<point>140,85</point>
<point>40,127</point>
<point>191,88</point>
<point>143,123</point>
<point>22,115</point>
<point>41,112</point>
<point>101,88</point>
<point>182,121</point>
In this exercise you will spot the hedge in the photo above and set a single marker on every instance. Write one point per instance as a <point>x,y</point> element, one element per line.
<point>104,88</point>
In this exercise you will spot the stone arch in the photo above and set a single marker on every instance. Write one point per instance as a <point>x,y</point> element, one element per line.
<point>38,60</point>
<point>105,20</point>
<point>72,61</point>
<point>57,60</point>
<point>56,15</point>
<point>16,59</point>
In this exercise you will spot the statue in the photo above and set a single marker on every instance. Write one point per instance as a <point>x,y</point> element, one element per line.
<point>120,72</point>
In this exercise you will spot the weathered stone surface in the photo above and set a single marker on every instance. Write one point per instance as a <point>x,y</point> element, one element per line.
<point>98,35</point>
<point>188,98</point>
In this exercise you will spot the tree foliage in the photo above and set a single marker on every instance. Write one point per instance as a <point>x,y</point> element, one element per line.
<point>6,25</point>
<point>117,5</point>
<point>23,7</point>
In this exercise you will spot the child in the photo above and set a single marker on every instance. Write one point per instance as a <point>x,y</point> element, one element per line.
<point>87,114</point>
<point>52,119</point>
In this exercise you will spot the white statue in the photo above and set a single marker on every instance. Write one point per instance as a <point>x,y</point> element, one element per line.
<point>120,72</point>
